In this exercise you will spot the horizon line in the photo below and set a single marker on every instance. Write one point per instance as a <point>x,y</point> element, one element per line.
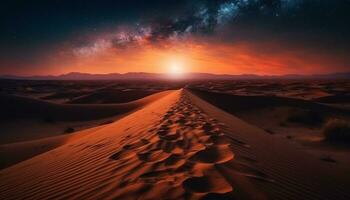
<point>169,74</point>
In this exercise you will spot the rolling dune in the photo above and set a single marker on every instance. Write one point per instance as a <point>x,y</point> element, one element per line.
<point>12,153</point>
<point>24,107</point>
<point>178,147</point>
<point>294,172</point>
<point>109,96</point>
<point>229,102</point>
<point>24,119</point>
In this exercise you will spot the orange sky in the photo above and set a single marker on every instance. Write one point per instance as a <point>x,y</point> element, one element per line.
<point>190,56</point>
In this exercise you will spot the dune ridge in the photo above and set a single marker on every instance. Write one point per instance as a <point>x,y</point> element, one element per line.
<point>178,152</point>
<point>23,107</point>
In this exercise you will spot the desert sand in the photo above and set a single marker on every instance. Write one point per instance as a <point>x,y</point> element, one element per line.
<point>33,136</point>
<point>25,118</point>
<point>177,147</point>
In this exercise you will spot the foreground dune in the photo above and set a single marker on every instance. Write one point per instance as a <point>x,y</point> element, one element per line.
<point>16,152</point>
<point>171,149</point>
<point>24,119</point>
<point>13,153</point>
<point>24,107</point>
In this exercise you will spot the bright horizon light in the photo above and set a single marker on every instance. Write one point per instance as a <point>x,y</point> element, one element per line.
<point>176,67</point>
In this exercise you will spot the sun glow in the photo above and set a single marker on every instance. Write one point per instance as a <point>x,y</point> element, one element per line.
<point>175,67</point>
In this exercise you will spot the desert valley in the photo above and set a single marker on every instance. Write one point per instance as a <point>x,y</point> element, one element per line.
<point>252,139</point>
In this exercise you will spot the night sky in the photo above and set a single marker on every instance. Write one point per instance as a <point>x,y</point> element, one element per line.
<point>227,36</point>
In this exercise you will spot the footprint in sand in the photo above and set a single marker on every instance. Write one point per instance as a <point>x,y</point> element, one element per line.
<point>153,156</point>
<point>170,136</point>
<point>213,155</point>
<point>206,184</point>
<point>217,196</point>
<point>239,142</point>
<point>215,139</point>
<point>122,154</point>
<point>135,145</point>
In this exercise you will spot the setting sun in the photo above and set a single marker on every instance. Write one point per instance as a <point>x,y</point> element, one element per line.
<point>175,66</point>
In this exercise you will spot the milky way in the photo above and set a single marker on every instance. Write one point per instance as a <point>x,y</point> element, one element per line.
<point>205,17</point>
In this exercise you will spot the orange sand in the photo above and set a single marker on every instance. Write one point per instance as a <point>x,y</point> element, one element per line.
<point>172,149</point>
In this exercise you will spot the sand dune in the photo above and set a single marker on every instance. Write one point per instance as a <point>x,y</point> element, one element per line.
<point>24,119</point>
<point>12,153</point>
<point>22,107</point>
<point>166,155</point>
<point>178,147</point>
<point>339,98</point>
<point>16,152</point>
<point>229,102</point>
<point>66,95</point>
<point>293,172</point>
<point>109,96</point>
<point>302,120</point>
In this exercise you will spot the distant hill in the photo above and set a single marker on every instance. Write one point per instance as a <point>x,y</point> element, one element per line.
<point>87,76</point>
<point>160,76</point>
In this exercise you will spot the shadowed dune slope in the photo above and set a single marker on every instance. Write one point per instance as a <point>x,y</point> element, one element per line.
<point>112,96</point>
<point>16,152</point>
<point>229,102</point>
<point>293,172</point>
<point>22,107</point>
<point>13,153</point>
<point>65,95</point>
<point>339,98</point>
